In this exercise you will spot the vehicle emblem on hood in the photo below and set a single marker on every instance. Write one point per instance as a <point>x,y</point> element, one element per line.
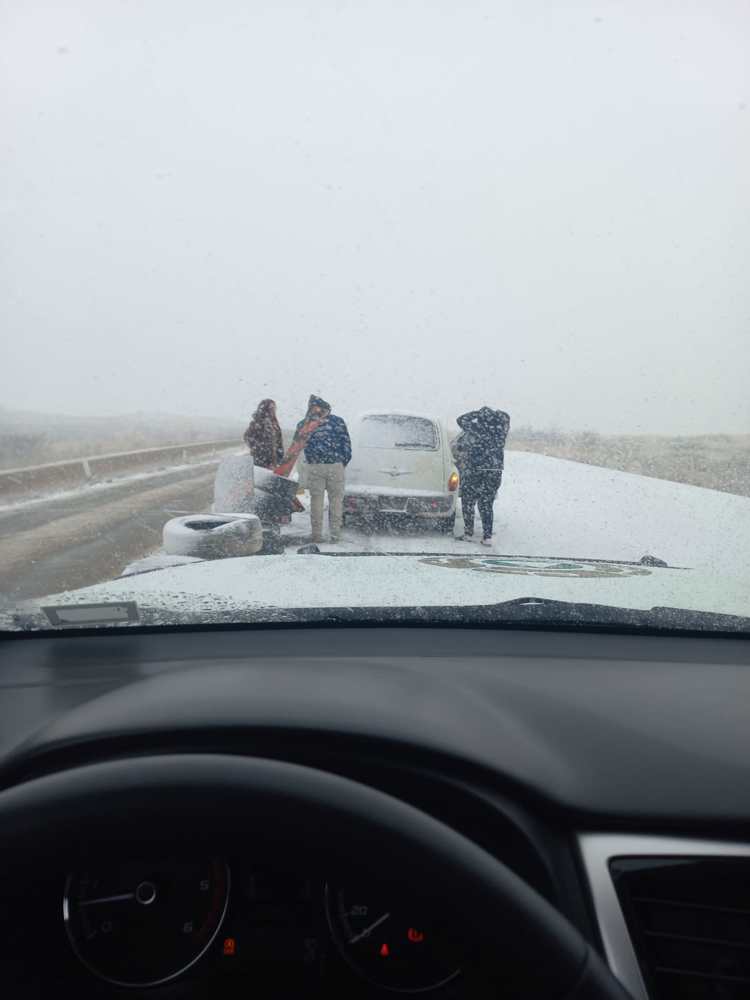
<point>537,566</point>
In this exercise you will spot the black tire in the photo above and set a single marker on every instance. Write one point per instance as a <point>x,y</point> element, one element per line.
<point>273,544</point>
<point>212,536</point>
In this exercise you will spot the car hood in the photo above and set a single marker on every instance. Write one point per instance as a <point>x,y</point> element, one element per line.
<point>286,587</point>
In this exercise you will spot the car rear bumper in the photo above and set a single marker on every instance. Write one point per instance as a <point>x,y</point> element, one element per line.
<point>433,506</point>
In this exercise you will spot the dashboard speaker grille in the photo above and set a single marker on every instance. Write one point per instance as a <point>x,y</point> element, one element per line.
<point>690,923</point>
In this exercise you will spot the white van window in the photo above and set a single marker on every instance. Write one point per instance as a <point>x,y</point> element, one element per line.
<point>393,431</point>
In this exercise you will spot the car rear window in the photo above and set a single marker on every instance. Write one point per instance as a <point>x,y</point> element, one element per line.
<point>392,431</point>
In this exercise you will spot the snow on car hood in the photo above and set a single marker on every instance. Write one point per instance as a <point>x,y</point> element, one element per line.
<point>236,587</point>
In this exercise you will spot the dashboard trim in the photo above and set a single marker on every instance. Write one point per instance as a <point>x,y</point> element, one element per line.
<point>597,850</point>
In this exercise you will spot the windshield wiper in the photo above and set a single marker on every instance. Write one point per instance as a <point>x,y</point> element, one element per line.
<point>544,611</point>
<point>534,612</point>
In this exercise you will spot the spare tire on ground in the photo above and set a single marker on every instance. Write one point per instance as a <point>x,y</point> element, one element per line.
<point>213,536</point>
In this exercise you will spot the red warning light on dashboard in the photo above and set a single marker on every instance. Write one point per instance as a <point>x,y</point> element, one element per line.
<point>414,935</point>
<point>385,950</point>
<point>230,946</point>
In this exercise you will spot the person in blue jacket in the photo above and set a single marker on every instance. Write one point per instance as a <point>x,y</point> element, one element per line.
<point>327,454</point>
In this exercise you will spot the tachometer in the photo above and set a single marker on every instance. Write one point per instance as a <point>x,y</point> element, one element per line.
<point>142,923</point>
<point>397,946</point>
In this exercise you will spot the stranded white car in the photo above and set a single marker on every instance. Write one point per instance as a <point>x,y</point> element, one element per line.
<point>401,467</point>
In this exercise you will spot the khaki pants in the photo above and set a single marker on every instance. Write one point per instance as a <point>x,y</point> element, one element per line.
<point>321,478</point>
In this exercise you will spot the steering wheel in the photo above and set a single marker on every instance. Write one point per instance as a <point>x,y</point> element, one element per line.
<point>183,798</point>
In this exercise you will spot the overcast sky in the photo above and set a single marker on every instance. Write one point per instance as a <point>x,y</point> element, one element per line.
<point>423,205</point>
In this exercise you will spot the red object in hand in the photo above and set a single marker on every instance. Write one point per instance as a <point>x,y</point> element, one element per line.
<point>300,439</point>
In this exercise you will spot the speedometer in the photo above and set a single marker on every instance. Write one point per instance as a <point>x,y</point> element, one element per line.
<point>392,944</point>
<point>144,923</point>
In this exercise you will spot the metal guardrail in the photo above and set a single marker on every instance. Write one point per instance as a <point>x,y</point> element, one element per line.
<point>38,480</point>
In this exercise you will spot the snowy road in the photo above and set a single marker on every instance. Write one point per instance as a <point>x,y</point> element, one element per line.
<point>551,507</point>
<point>546,507</point>
<point>89,535</point>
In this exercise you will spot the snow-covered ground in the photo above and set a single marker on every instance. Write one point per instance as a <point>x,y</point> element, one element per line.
<point>547,508</point>
<point>551,507</point>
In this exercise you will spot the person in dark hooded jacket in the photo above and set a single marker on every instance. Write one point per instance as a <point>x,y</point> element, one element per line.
<point>479,451</point>
<point>263,436</point>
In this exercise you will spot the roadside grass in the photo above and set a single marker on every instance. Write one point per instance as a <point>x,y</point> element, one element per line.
<point>715,461</point>
<point>25,443</point>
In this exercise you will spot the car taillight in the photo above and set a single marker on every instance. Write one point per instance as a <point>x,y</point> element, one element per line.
<point>453,482</point>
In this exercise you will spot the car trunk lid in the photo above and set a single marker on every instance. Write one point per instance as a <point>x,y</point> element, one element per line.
<point>398,454</point>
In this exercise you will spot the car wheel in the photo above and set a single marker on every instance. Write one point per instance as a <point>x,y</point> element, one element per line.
<point>446,524</point>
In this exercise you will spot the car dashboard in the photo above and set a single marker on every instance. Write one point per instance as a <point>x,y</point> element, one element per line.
<point>609,772</point>
<point>188,926</point>
<point>230,918</point>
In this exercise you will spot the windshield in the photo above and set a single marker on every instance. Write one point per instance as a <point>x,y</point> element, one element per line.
<point>420,312</point>
<point>398,432</point>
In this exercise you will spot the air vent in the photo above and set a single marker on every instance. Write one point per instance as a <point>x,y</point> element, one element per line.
<point>690,923</point>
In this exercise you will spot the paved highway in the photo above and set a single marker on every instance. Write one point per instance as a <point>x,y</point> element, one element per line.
<point>91,535</point>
